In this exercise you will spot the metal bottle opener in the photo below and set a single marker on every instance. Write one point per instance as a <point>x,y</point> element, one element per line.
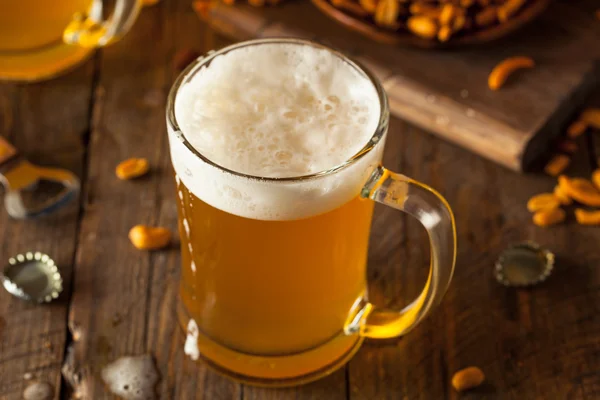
<point>20,179</point>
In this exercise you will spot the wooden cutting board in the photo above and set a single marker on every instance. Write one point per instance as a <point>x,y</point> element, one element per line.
<point>446,91</point>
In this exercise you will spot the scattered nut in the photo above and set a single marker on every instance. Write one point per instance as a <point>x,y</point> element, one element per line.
<point>132,168</point>
<point>546,206</point>
<point>444,33</point>
<point>509,8</point>
<point>422,26</point>
<point>386,13</point>
<point>543,201</point>
<point>467,378</point>
<point>585,217</point>
<point>577,128</point>
<point>447,14</point>
<point>557,165</point>
<point>149,238</point>
<point>561,196</point>
<point>580,190</point>
<point>549,217</point>
<point>505,68</point>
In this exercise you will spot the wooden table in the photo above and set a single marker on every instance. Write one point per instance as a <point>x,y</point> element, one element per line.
<point>542,342</point>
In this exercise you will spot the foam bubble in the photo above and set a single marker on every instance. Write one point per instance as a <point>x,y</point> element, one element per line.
<point>191,341</point>
<point>131,378</point>
<point>274,110</point>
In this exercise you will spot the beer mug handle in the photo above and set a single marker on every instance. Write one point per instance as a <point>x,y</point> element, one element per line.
<point>433,211</point>
<point>91,30</point>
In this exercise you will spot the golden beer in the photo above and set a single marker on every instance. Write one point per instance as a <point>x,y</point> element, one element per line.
<point>272,287</point>
<point>276,146</point>
<point>29,25</point>
<point>32,35</point>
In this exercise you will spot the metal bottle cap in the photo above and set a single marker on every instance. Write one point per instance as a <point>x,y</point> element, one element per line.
<point>32,276</point>
<point>524,264</point>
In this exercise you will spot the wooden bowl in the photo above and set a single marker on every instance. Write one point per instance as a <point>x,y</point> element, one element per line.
<point>530,11</point>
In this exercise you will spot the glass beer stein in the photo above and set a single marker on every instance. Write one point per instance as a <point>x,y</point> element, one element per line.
<point>41,38</point>
<point>273,286</point>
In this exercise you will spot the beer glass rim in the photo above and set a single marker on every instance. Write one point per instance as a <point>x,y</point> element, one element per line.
<point>202,61</point>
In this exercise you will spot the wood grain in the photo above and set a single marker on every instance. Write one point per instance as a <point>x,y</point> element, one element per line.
<point>332,387</point>
<point>445,92</point>
<point>123,299</point>
<point>48,123</point>
<point>542,342</point>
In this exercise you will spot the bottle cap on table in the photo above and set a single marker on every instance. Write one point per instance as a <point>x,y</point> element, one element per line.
<point>32,276</point>
<point>524,264</point>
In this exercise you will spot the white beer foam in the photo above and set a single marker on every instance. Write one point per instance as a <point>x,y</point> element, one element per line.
<point>132,377</point>
<point>275,110</point>
<point>191,340</point>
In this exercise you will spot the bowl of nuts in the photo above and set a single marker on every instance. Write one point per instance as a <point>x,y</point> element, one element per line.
<point>433,23</point>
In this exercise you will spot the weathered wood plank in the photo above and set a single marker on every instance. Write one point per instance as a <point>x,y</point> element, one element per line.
<point>533,343</point>
<point>48,122</point>
<point>124,300</point>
